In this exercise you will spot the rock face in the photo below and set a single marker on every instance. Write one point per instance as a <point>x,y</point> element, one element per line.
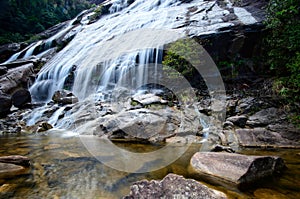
<point>172,186</point>
<point>5,103</point>
<point>238,169</point>
<point>21,97</point>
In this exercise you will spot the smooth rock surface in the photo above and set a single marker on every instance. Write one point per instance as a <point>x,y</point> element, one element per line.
<point>172,186</point>
<point>238,169</point>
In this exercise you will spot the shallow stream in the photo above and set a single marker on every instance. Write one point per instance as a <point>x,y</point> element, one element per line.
<point>63,168</point>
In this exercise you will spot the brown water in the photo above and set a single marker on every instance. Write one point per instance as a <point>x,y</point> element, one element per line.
<point>63,168</point>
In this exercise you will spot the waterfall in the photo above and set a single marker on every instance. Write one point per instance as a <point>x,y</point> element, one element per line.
<point>30,51</point>
<point>121,49</point>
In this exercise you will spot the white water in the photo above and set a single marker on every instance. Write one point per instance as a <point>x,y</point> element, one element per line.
<point>30,51</point>
<point>54,118</point>
<point>86,49</point>
<point>104,59</point>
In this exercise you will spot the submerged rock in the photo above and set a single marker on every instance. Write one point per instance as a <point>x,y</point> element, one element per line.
<point>16,159</point>
<point>9,170</point>
<point>172,186</point>
<point>238,169</point>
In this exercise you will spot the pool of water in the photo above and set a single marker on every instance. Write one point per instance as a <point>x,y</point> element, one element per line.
<point>62,167</point>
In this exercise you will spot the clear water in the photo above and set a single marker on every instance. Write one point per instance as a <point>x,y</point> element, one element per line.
<point>63,168</point>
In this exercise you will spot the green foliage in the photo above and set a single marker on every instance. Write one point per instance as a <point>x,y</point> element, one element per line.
<point>284,49</point>
<point>175,60</point>
<point>20,19</point>
<point>284,24</point>
<point>97,13</point>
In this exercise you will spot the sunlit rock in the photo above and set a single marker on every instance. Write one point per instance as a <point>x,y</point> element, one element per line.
<point>172,186</point>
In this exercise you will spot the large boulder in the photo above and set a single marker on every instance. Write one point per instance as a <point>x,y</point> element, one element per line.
<point>236,168</point>
<point>21,97</point>
<point>5,103</point>
<point>16,78</point>
<point>172,186</point>
<point>142,124</point>
<point>152,125</point>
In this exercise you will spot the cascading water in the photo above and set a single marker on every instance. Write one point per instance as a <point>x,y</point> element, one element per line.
<point>95,73</point>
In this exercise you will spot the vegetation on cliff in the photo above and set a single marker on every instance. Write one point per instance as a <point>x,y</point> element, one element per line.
<point>20,19</point>
<point>283,46</point>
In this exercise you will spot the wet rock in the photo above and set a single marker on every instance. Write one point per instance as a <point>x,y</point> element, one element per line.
<point>239,169</point>
<point>8,50</point>
<point>15,159</point>
<point>39,127</point>
<point>9,170</point>
<point>21,97</point>
<point>64,97</point>
<point>239,120</point>
<point>44,126</point>
<point>261,137</point>
<point>69,81</point>
<point>5,104</point>
<point>3,70</point>
<point>172,186</point>
<point>16,78</point>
